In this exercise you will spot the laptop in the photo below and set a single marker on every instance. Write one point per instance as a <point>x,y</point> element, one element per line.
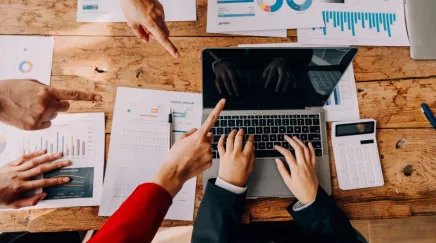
<point>269,112</point>
<point>420,24</point>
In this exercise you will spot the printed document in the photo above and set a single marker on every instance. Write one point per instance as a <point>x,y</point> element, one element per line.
<point>359,22</point>
<point>110,10</point>
<point>343,104</point>
<point>140,141</point>
<point>81,139</point>
<point>26,57</point>
<point>248,15</point>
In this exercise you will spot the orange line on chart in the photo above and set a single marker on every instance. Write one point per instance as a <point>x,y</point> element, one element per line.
<point>68,176</point>
<point>147,115</point>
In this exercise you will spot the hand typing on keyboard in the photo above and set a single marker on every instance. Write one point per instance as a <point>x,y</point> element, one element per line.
<point>236,160</point>
<point>302,180</point>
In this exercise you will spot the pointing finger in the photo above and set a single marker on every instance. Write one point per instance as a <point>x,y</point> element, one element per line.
<point>305,150</point>
<point>159,33</point>
<point>62,94</point>
<point>312,154</point>
<point>45,168</point>
<point>283,171</point>
<point>288,156</point>
<point>188,133</point>
<point>249,147</point>
<point>239,140</point>
<point>213,116</point>
<point>297,148</point>
<point>35,184</point>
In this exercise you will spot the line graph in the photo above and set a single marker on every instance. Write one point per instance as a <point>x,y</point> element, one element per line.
<point>80,185</point>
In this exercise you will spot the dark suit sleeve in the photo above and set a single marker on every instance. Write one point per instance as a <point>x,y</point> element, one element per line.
<point>323,221</point>
<point>219,215</point>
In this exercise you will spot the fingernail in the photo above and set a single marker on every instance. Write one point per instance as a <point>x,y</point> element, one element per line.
<point>294,137</point>
<point>97,97</point>
<point>66,163</point>
<point>177,54</point>
<point>286,136</point>
<point>66,179</point>
<point>43,196</point>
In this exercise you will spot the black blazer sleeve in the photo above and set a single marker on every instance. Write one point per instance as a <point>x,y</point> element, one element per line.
<point>323,221</point>
<point>219,215</point>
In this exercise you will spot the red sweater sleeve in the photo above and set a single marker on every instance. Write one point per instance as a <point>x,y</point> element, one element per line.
<point>138,218</point>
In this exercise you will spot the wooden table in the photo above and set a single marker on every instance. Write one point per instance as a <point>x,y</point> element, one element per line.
<point>391,87</point>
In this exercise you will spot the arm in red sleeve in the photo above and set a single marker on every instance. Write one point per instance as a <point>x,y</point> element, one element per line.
<point>138,218</point>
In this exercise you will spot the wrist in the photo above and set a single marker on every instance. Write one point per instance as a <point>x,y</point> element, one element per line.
<point>238,183</point>
<point>168,179</point>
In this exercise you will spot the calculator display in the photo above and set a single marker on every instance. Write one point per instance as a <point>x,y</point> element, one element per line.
<point>355,129</point>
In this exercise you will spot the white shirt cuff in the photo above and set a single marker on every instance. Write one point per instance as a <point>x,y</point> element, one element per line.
<point>229,187</point>
<point>299,206</point>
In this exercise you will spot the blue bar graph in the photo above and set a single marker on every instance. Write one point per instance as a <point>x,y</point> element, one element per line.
<point>353,21</point>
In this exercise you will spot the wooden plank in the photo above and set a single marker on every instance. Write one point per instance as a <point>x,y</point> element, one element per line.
<point>51,17</point>
<point>413,229</point>
<point>128,61</point>
<point>14,221</point>
<point>394,104</point>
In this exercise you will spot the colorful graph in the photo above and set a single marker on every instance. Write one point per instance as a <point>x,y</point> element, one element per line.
<point>69,146</point>
<point>270,8</point>
<point>335,98</point>
<point>25,66</point>
<point>352,21</point>
<point>179,114</point>
<point>80,185</point>
<point>305,5</point>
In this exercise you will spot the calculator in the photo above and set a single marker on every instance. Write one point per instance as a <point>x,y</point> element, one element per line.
<point>356,154</point>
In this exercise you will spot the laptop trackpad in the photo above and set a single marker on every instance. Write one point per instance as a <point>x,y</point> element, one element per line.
<point>265,181</point>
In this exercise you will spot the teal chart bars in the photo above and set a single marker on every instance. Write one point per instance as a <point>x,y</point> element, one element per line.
<point>348,21</point>
<point>358,22</point>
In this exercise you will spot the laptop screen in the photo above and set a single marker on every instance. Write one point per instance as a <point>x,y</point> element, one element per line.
<point>279,78</point>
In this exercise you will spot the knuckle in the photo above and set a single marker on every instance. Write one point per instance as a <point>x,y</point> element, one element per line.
<point>16,187</point>
<point>39,170</point>
<point>32,163</point>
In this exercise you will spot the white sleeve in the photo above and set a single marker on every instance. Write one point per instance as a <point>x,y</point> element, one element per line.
<point>299,206</point>
<point>229,187</point>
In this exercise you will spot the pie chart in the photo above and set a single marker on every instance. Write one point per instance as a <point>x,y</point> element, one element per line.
<point>25,66</point>
<point>270,5</point>
<point>299,5</point>
<point>2,144</point>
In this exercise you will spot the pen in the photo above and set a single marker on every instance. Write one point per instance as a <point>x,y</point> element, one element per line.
<point>429,115</point>
<point>170,132</point>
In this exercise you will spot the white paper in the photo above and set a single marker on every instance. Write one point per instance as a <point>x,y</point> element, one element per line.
<point>140,141</point>
<point>343,104</point>
<point>387,30</point>
<point>82,133</point>
<point>248,15</point>
<point>110,10</point>
<point>260,33</point>
<point>26,57</point>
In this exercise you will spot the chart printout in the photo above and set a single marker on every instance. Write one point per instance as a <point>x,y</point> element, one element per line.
<point>140,141</point>
<point>80,137</point>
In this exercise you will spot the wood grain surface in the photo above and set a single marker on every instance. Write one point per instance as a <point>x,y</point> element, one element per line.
<point>101,56</point>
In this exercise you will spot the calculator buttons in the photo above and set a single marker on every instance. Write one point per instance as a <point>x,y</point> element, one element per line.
<point>358,167</point>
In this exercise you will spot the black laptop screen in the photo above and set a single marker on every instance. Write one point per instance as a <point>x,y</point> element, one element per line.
<point>280,78</point>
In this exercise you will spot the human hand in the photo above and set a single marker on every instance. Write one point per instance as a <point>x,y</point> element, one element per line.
<point>236,162</point>
<point>145,18</point>
<point>31,105</point>
<point>229,75</point>
<point>302,181</point>
<point>277,71</point>
<point>189,156</point>
<point>16,178</point>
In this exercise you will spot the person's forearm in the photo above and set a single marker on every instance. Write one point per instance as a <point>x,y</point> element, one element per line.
<point>219,215</point>
<point>323,221</point>
<point>138,218</point>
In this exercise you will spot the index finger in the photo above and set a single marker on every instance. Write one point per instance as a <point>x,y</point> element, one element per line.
<point>62,94</point>
<point>158,31</point>
<point>213,116</point>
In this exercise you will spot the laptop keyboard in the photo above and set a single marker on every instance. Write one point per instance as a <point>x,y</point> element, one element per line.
<point>269,130</point>
<point>325,80</point>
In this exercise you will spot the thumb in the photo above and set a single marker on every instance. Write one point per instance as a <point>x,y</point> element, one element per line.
<point>28,202</point>
<point>62,94</point>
